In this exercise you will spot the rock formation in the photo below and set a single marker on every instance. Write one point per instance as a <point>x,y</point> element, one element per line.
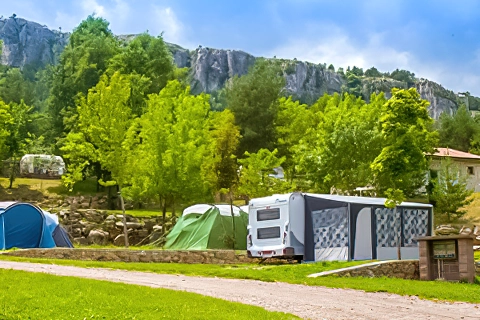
<point>211,68</point>
<point>29,43</point>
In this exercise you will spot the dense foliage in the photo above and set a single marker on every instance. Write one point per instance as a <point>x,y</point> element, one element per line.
<point>121,111</point>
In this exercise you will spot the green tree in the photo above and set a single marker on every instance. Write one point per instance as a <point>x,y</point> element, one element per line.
<point>403,75</point>
<point>15,88</point>
<point>293,122</point>
<point>450,192</point>
<point>338,151</point>
<point>81,64</point>
<point>19,129</point>
<point>402,164</point>
<point>357,71</point>
<point>458,131</point>
<point>253,98</point>
<point>148,56</point>
<point>149,63</point>
<point>170,147</point>
<point>354,84</point>
<point>225,136</point>
<point>254,174</point>
<point>104,118</point>
<point>5,121</point>
<point>373,73</point>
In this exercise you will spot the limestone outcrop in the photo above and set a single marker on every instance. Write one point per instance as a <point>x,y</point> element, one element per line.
<point>29,43</point>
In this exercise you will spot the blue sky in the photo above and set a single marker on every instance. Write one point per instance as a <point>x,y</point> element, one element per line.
<point>436,39</point>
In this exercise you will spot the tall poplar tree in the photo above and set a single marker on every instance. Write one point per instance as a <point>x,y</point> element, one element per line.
<point>401,166</point>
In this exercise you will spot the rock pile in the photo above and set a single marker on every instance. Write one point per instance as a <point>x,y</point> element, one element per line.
<point>94,226</point>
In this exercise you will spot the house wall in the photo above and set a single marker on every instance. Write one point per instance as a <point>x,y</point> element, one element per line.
<point>473,179</point>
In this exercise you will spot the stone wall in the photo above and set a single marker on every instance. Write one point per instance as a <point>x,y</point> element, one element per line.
<point>126,255</point>
<point>407,269</point>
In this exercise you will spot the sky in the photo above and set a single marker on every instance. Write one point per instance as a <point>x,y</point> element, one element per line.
<point>436,39</point>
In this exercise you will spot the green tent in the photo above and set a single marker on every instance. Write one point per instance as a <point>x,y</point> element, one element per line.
<point>209,227</point>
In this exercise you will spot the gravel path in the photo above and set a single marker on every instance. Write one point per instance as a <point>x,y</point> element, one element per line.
<point>304,301</point>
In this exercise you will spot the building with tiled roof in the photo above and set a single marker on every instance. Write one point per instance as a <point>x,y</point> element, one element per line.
<point>468,163</point>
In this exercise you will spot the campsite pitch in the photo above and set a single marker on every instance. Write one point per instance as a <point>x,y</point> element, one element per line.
<point>304,301</point>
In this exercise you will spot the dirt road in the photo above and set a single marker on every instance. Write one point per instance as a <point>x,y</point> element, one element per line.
<point>304,301</point>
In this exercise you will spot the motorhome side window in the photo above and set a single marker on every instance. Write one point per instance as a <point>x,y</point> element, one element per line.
<point>268,214</point>
<point>268,233</point>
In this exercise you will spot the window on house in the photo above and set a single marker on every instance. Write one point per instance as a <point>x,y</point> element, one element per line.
<point>470,170</point>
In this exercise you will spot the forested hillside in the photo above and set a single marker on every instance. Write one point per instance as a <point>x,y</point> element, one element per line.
<point>157,122</point>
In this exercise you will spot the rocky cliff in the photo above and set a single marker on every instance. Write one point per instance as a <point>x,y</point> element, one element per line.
<point>28,42</point>
<point>211,68</point>
<point>441,99</point>
<point>307,81</point>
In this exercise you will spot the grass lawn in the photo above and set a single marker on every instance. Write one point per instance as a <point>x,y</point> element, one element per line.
<point>143,212</point>
<point>27,295</point>
<point>296,274</point>
<point>28,188</point>
<point>473,209</point>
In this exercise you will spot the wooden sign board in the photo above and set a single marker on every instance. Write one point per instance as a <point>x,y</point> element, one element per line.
<point>445,249</point>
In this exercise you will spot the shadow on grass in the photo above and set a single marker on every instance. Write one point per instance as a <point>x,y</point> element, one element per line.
<point>85,187</point>
<point>22,192</point>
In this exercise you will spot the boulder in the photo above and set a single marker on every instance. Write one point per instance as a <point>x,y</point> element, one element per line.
<point>445,230</point>
<point>97,237</point>
<point>80,240</point>
<point>119,240</point>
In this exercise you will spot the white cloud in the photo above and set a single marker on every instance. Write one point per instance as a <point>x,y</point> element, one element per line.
<point>341,50</point>
<point>167,22</point>
<point>92,6</point>
<point>117,14</point>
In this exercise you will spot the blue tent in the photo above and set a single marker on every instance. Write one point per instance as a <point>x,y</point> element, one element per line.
<point>23,225</point>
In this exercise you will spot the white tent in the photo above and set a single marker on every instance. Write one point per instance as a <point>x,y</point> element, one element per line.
<point>225,209</point>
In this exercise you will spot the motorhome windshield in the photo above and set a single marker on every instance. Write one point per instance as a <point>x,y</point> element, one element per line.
<point>268,233</point>
<point>268,214</point>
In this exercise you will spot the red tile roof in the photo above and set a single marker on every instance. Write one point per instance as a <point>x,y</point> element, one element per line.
<point>447,152</point>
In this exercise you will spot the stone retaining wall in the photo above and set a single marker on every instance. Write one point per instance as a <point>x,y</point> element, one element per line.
<point>118,255</point>
<point>394,269</point>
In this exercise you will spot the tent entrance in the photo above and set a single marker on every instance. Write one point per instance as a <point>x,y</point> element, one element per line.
<point>330,233</point>
<point>363,235</point>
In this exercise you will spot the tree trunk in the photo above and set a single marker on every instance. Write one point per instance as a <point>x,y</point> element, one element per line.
<point>399,237</point>
<point>12,173</point>
<point>125,230</point>
<point>234,239</point>
<point>163,203</point>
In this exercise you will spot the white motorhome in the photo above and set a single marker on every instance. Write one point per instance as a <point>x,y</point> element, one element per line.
<point>276,226</point>
<point>318,227</point>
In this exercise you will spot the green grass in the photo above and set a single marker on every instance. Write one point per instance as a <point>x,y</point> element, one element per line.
<point>25,295</point>
<point>296,274</point>
<point>477,255</point>
<point>28,188</point>
<point>141,212</point>
<point>85,187</point>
